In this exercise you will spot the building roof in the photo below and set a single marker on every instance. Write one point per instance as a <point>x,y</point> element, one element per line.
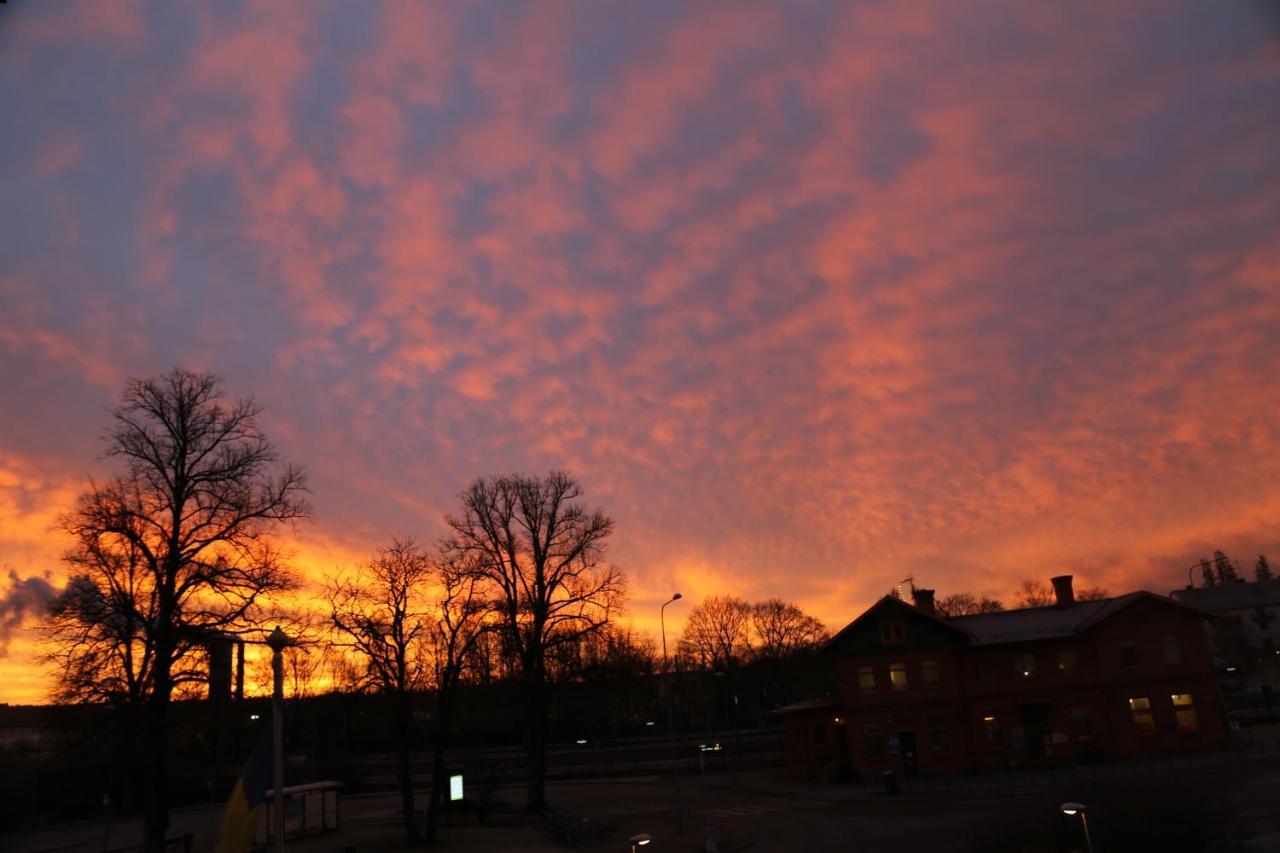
<point>1231,596</point>
<point>1045,623</point>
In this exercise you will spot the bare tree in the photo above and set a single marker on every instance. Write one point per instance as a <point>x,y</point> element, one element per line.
<point>460,619</point>
<point>783,629</point>
<point>1262,569</point>
<point>717,634</point>
<point>1092,593</point>
<point>967,604</point>
<point>541,556</point>
<point>174,550</point>
<point>1034,594</point>
<point>382,617</point>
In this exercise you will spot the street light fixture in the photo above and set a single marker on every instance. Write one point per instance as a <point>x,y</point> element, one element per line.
<point>641,840</point>
<point>1078,808</point>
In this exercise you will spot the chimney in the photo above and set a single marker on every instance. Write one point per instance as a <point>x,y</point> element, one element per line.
<point>924,600</point>
<point>1062,589</point>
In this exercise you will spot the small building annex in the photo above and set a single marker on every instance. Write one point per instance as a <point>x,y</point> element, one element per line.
<point>1077,680</point>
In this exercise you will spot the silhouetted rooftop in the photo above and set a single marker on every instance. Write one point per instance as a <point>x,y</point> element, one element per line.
<point>1231,596</point>
<point>1041,623</point>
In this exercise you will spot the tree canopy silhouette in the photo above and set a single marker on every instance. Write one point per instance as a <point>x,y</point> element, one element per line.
<point>540,554</point>
<point>169,553</point>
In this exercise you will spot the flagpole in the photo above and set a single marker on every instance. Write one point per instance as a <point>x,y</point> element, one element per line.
<point>277,641</point>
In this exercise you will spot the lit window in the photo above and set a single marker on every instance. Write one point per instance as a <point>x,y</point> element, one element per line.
<point>1172,649</point>
<point>866,679</point>
<point>1143,720</point>
<point>940,735</point>
<point>898,676</point>
<point>1129,654</point>
<point>1067,661</point>
<point>892,632</point>
<point>991,725</point>
<point>1024,665</point>
<point>1185,710</point>
<point>929,673</point>
<point>874,735</point>
<point>1081,724</point>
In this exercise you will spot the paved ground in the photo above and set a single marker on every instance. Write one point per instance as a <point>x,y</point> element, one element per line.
<point>762,810</point>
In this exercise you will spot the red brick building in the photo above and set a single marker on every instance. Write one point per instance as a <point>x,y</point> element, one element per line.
<point>1073,681</point>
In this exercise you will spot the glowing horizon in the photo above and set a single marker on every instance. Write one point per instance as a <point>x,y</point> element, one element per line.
<point>809,300</point>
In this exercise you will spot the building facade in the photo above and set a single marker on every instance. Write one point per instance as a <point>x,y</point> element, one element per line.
<point>1075,681</point>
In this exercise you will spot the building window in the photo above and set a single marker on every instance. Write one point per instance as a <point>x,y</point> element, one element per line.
<point>874,735</point>
<point>1081,724</point>
<point>1024,664</point>
<point>892,632</point>
<point>1129,654</point>
<point>1067,661</point>
<point>1172,649</point>
<point>929,673</point>
<point>940,735</point>
<point>1143,720</point>
<point>898,676</point>
<point>995,739</point>
<point>866,679</point>
<point>1185,710</point>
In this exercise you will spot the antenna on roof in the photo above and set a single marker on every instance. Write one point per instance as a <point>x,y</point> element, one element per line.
<point>897,590</point>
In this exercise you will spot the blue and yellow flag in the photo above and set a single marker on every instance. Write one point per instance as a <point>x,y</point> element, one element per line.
<point>250,793</point>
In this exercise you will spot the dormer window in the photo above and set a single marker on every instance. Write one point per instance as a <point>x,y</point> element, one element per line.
<point>892,632</point>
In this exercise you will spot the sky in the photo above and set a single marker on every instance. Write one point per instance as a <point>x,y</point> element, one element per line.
<point>811,297</point>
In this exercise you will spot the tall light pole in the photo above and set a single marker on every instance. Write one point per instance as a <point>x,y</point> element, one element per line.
<point>662,620</point>
<point>1078,808</point>
<point>670,713</point>
<point>278,640</point>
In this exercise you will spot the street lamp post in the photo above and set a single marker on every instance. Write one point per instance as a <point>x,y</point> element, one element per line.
<point>1078,808</point>
<point>278,640</point>
<point>662,620</point>
<point>675,768</point>
<point>638,841</point>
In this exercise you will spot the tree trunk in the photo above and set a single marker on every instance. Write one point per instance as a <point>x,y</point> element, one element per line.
<point>403,727</point>
<point>439,779</point>
<point>155,757</point>
<point>536,744</point>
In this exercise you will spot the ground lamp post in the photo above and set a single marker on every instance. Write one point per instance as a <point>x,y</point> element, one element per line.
<point>1078,808</point>
<point>662,620</point>
<point>278,640</point>
<point>638,841</point>
<point>675,769</point>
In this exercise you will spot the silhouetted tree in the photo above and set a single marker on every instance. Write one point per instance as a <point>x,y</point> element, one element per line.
<point>168,553</point>
<point>966,604</point>
<point>1092,593</point>
<point>782,629</point>
<point>381,616</point>
<point>541,556</point>
<point>717,634</point>
<point>458,620</point>
<point>1206,572</point>
<point>1262,569</point>
<point>1224,568</point>
<point>1034,594</point>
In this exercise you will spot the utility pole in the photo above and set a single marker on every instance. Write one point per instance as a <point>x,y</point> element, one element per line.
<point>277,641</point>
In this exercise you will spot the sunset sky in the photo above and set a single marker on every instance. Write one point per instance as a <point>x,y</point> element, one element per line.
<point>810,296</point>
